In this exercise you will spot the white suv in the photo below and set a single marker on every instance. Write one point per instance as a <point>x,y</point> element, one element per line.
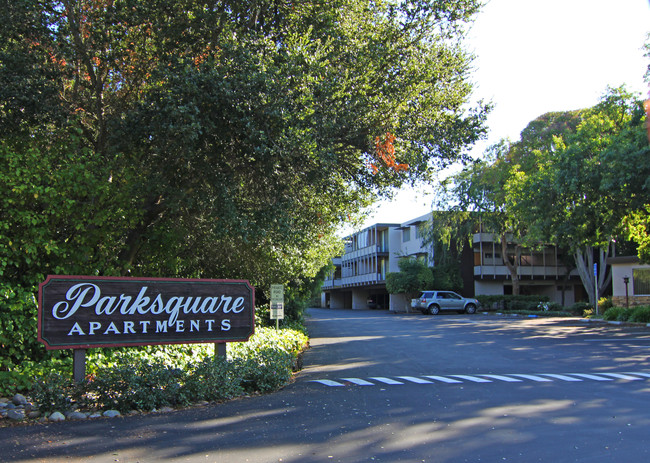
<point>432,302</point>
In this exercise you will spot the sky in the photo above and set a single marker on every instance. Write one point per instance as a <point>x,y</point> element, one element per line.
<point>537,56</point>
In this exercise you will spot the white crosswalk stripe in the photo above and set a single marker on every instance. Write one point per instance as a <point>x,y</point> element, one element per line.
<point>474,379</point>
<point>413,379</point>
<point>327,382</point>
<point>562,377</point>
<point>507,379</point>
<point>536,378</point>
<point>443,379</point>
<point>386,380</point>
<point>485,378</point>
<point>621,376</point>
<point>358,381</point>
<point>594,377</point>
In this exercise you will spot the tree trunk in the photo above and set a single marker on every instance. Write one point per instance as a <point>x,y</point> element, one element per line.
<point>135,238</point>
<point>513,267</point>
<point>585,264</point>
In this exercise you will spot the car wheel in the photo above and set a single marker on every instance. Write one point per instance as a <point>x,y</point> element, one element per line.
<point>434,309</point>
<point>470,308</point>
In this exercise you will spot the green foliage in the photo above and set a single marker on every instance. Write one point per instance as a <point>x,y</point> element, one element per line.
<point>267,371</point>
<point>140,385</point>
<point>446,277</point>
<point>54,392</point>
<point>511,302</point>
<point>18,330</point>
<point>582,308</point>
<point>605,303</point>
<point>640,314</point>
<point>157,376</point>
<point>620,314</point>
<point>14,381</point>
<point>214,379</point>
<point>637,224</point>
<point>245,131</point>
<point>414,276</point>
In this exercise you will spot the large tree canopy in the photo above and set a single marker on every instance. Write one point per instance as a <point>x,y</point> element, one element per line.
<point>577,179</point>
<point>218,138</point>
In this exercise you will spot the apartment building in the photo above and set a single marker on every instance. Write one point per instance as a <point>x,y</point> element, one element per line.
<point>359,278</point>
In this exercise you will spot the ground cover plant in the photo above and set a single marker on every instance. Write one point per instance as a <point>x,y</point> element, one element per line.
<point>169,376</point>
<point>638,314</point>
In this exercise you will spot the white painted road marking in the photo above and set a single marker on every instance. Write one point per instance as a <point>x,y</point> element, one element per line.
<point>536,378</point>
<point>358,382</point>
<point>413,379</point>
<point>562,377</point>
<point>594,377</point>
<point>474,379</point>
<point>443,379</point>
<point>327,382</point>
<point>507,379</point>
<point>481,378</point>
<point>386,380</point>
<point>620,376</point>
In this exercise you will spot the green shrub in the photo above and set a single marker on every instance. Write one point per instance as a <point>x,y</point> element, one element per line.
<point>605,303</point>
<point>580,308</point>
<point>14,381</point>
<point>214,379</point>
<point>267,371</point>
<point>620,314</point>
<point>137,386</point>
<point>640,314</point>
<point>18,327</point>
<point>510,302</point>
<point>54,392</point>
<point>151,377</point>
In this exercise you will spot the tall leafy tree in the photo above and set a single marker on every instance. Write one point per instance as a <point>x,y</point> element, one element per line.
<point>584,188</point>
<point>481,190</point>
<point>228,139</point>
<point>414,276</point>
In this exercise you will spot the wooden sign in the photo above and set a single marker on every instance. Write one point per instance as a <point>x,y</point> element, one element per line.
<point>81,312</point>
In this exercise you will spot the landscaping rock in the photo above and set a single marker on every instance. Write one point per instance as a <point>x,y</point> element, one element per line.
<point>111,413</point>
<point>56,416</point>
<point>76,416</point>
<point>17,414</point>
<point>19,399</point>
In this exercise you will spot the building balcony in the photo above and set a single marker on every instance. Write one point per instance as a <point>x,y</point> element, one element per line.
<point>532,272</point>
<point>330,284</point>
<point>365,252</point>
<point>365,279</point>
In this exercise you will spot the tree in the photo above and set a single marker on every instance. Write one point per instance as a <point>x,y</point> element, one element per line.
<point>587,185</point>
<point>414,276</point>
<point>229,139</point>
<point>447,234</point>
<point>480,189</point>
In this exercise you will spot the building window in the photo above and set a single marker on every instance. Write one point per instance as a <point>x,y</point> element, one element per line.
<point>641,281</point>
<point>406,235</point>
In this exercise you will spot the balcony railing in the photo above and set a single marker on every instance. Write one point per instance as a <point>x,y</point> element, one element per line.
<point>357,280</point>
<point>525,271</point>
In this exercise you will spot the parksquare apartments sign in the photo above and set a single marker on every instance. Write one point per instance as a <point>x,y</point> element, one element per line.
<point>81,312</point>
